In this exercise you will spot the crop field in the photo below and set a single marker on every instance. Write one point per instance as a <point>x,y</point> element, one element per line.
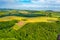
<point>29,25</point>
<point>31,31</point>
<point>34,19</point>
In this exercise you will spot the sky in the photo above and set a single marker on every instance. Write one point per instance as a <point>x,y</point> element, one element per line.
<point>31,4</point>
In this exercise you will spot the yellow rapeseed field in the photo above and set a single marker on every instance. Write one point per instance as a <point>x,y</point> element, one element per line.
<point>35,19</point>
<point>24,20</point>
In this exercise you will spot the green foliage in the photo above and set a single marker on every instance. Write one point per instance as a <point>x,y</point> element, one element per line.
<point>7,24</point>
<point>33,31</point>
<point>39,31</point>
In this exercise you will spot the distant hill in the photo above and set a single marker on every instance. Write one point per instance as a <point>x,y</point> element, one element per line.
<point>28,13</point>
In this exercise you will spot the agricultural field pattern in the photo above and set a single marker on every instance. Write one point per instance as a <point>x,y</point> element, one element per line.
<point>29,25</point>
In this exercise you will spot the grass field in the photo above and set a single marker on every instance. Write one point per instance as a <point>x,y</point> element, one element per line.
<point>33,31</point>
<point>29,25</point>
<point>24,20</point>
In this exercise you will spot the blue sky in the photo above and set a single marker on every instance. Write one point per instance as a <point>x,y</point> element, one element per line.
<point>31,4</point>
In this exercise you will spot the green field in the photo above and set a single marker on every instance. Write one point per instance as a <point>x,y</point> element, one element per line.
<point>29,25</point>
<point>31,31</point>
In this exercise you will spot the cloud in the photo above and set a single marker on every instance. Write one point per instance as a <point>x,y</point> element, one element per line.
<point>58,1</point>
<point>7,0</point>
<point>32,4</point>
<point>37,1</point>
